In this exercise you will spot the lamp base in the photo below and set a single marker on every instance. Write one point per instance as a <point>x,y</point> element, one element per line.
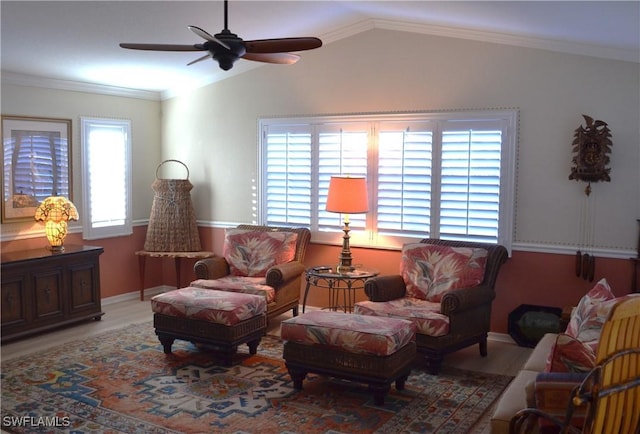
<point>343,268</point>
<point>344,265</point>
<point>56,249</point>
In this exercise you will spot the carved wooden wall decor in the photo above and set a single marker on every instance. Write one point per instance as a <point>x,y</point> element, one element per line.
<point>591,146</point>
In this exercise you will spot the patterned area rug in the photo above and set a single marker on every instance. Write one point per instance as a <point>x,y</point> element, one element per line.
<point>121,381</point>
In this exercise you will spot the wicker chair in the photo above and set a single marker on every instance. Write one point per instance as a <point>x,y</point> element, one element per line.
<point>285,278</point>
<point>467,309</point>
<point>610,393</point>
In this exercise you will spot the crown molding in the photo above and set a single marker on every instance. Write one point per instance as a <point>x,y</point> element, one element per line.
<point>561,46</point>
<point>77,86</point>
<point>511,39</point>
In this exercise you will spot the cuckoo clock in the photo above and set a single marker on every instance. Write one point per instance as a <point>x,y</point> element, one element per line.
<point>591,146</point>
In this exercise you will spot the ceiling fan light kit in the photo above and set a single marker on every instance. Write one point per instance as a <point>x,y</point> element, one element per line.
<point>226,47</point>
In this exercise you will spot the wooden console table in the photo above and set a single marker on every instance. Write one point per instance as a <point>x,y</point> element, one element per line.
<point>42,290</point>
<point>177,257</point>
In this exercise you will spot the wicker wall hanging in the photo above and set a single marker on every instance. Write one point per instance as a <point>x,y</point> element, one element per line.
<point>172,225</point>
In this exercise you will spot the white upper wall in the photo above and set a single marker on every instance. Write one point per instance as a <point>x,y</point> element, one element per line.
<point>214,129</point>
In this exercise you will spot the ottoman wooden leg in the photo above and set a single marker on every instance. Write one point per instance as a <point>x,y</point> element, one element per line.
<point>253,346</point>
<point>400,382</point>
<point>379,392</point>
<point>297,376</point>
<point>166,341</point>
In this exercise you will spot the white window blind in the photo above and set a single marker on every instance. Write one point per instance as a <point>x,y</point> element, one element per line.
<point>342,150</point>
<point>404,179</point>
<point>106,166</point>
<point>39,164</point>
<point>444,174</point>
<point>470,184</point>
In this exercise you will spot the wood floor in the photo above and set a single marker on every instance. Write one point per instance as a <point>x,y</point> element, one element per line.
<point>504,358</point>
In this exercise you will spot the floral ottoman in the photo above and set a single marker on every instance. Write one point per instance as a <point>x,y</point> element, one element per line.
<point>219,319</point>
<point>373,350</point>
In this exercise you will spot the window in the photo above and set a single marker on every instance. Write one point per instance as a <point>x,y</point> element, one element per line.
<point>443,175</point>
<point>106,169</point>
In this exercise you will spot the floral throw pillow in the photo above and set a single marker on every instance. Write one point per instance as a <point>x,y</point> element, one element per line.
<point>591,313</point>
<point>251,253</point>
<point>570,355</point>
<point>429,271</point>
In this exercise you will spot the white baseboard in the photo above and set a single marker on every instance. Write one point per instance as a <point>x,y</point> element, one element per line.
<point>149,292</point>
<point>501,337</point>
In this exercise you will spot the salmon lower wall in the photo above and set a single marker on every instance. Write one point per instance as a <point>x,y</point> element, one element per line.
<point>526,278</point>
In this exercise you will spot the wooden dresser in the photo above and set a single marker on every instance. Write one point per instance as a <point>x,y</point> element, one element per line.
<point>42,290</point>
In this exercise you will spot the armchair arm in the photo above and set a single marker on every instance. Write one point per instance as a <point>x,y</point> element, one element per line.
<point>280,273</point>
<point>211,268</point>
<point>385,288</point>
<point>466,298</point>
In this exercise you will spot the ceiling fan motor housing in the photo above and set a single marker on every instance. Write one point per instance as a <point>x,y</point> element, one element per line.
<point>227,57</point>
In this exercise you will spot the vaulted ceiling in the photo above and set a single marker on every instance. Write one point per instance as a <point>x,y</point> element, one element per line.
<point>77,41</point>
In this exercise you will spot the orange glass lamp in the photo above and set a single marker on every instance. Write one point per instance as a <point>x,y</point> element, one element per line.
<point>347,196</point>
<point>55,212</point>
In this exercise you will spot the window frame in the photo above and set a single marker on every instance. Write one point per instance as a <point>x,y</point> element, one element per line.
<point>508,118</point>
<point>124,226</point>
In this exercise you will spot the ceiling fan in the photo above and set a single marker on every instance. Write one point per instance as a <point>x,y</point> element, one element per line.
<point>227,47</point>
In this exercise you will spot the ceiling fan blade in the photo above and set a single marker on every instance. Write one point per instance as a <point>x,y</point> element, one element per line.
<point>163,47</point>
<point>206,35</point>
<point>280,58</point>
<point>199,59</point>
<point>282,45</point>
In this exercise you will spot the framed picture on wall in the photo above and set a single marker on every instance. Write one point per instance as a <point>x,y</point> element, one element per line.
<point>37,164</point>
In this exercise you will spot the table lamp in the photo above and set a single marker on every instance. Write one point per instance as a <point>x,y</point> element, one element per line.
<point>347,196</point>
<point>56,211</point>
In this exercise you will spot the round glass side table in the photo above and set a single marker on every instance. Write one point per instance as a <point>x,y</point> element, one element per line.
<point>341,286</point>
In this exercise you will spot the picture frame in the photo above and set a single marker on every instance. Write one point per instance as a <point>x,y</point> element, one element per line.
<point>36,164</point>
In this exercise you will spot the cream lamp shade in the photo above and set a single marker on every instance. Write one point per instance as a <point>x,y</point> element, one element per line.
<point>347,195</point>
<point>55,212</point>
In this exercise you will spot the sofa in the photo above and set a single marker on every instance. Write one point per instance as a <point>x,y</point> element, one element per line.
<point>559,362</point>
<point>514,397</point>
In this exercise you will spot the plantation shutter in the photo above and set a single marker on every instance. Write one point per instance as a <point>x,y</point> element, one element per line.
<point>288,175</point>
<point>106,171</point>
<point>446,175</point>
<point>107,179</point>
<point>470,181</point>
<point>342,150</point>
<point>404,178</point>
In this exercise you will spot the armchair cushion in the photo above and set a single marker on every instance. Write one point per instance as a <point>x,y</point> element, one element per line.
<point>430,271</point>
<point>243,284</point>
<point>251,253</point>
<point>425,315</point>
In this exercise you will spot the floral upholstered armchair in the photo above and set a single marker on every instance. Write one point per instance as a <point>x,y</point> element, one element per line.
<point>446,289</point>
<point>260,260</point>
